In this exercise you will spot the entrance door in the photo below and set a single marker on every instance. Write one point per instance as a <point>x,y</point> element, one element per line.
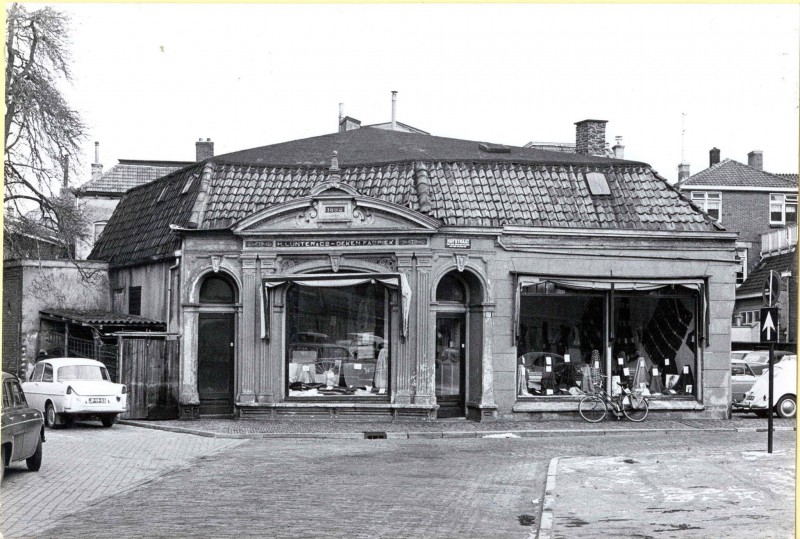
<point>450,364</point>
<point>215,363</point>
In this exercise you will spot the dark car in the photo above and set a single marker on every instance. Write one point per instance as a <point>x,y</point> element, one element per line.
<point>22,427</point>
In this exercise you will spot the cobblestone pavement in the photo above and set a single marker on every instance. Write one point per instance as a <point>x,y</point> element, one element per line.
<point>85,464</point>
<point>417,487</point>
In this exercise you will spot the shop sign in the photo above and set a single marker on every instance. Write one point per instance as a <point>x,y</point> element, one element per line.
<point>458,243</point>
<point>334,243</point>
<point>413,241</point>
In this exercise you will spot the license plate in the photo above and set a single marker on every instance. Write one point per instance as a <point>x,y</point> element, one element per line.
<point>97,401</point>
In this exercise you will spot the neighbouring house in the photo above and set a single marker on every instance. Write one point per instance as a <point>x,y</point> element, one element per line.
<point>30,286</point>
<point>391,274</point>
<point>101,194</point>
<point>762,208</point>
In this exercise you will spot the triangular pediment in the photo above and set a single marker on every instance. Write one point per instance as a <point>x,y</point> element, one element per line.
<point>333,207</point>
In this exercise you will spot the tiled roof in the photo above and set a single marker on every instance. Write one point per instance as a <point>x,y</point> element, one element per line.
<point>370,146</point>
<point>130,173</point>
<point>730,173</point>
<point>754,284</point>
<point>469,188</point>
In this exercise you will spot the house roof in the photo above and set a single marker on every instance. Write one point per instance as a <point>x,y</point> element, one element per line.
<point>754,284</point>
<point>730,173</point>
<point>372,146</point>
<point>130,173</point>
<point>468,187</point>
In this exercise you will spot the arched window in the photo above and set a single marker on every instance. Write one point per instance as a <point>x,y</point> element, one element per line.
<point>450,289</point>
<point>217,289</point>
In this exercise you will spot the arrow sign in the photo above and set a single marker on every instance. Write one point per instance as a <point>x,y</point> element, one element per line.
<point>769,323</point>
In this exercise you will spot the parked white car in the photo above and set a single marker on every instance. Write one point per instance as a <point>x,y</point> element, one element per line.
<point>70,388</point>
<point>784,391</point>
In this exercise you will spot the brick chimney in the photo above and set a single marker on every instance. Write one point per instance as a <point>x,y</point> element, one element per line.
<point>755,159</point>
<point>683,171</point>
<point>204,149</point>
<point>590,137</point>
<point>97,166</point>
<point>713,157</point>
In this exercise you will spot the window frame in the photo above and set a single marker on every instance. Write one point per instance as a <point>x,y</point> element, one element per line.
<point>741,254</point>
<point>705,198</point>
<point>783,200</point>
<point>138,296</point>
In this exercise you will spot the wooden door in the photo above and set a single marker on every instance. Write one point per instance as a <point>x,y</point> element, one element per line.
<point>451,348</point>
<point>215,353</point>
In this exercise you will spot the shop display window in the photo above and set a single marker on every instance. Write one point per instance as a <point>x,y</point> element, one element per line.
<point>337,341</point>
<point>569,333</point>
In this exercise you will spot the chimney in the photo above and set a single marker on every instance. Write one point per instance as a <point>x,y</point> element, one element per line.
<point>590,137</point>
<point>204,149</point>
<point>713,157</point>
<point>97,166</point>
<point>619,149</point>
<point>348,124</point>
<point>394,110</point>
<point>341,113</point>
<point>683,171</point>
<point>755,159</point>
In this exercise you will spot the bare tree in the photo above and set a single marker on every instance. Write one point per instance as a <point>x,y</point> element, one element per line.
<point>42,132</point>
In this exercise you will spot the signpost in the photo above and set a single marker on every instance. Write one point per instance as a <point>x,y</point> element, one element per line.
<point>769,334</point>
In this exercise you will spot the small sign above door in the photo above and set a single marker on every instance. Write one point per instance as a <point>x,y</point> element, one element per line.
<point>458,243</point>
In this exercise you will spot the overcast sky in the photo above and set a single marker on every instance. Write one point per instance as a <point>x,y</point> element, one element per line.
<point>152,79</point>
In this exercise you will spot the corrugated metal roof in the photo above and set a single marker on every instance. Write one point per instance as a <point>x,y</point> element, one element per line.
<point>731,173</point>
<point>104,318</point>
<point>468,187</point>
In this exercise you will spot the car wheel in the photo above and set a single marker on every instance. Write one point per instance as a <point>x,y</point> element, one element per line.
<point>50,416</point>
<point>34,462</point>
<point>787,407</point>
<point>109,420</point>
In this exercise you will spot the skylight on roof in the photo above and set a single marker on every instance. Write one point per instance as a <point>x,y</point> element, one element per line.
<point>597,183</point>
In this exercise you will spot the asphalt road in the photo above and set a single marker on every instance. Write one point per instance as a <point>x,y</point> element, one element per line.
<point>133,482</point>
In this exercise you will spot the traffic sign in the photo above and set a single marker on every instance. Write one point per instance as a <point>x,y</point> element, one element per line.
<point>772,288</point>
<point>769,324</point>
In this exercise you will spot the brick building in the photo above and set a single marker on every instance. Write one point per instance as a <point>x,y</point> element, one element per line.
<point>762,208</point>
<point>380,272</point>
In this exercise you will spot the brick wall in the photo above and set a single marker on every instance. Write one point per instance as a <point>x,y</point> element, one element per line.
<point>12,319</point>
<point>748,214</point>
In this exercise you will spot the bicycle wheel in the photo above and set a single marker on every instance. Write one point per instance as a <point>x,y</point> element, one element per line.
<point>634,406</point>
<point>592,408</point>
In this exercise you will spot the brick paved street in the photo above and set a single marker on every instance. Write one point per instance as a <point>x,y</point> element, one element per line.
<point>86,464</point>
<point>190,486</point>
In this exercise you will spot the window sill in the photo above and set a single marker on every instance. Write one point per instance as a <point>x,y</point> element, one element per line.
<point>570,403</point>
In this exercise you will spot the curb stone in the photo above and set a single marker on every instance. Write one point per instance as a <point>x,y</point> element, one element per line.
<point>545,530</point>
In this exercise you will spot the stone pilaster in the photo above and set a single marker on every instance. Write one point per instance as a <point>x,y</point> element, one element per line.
<point>188,393</point>
<point>424,367</point>
<point>487,375</point>
<point>248,332</point>
<point>401,368</point>
<point>267,367</point>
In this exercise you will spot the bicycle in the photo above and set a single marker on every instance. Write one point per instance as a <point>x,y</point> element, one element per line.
<point>631,404</point>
